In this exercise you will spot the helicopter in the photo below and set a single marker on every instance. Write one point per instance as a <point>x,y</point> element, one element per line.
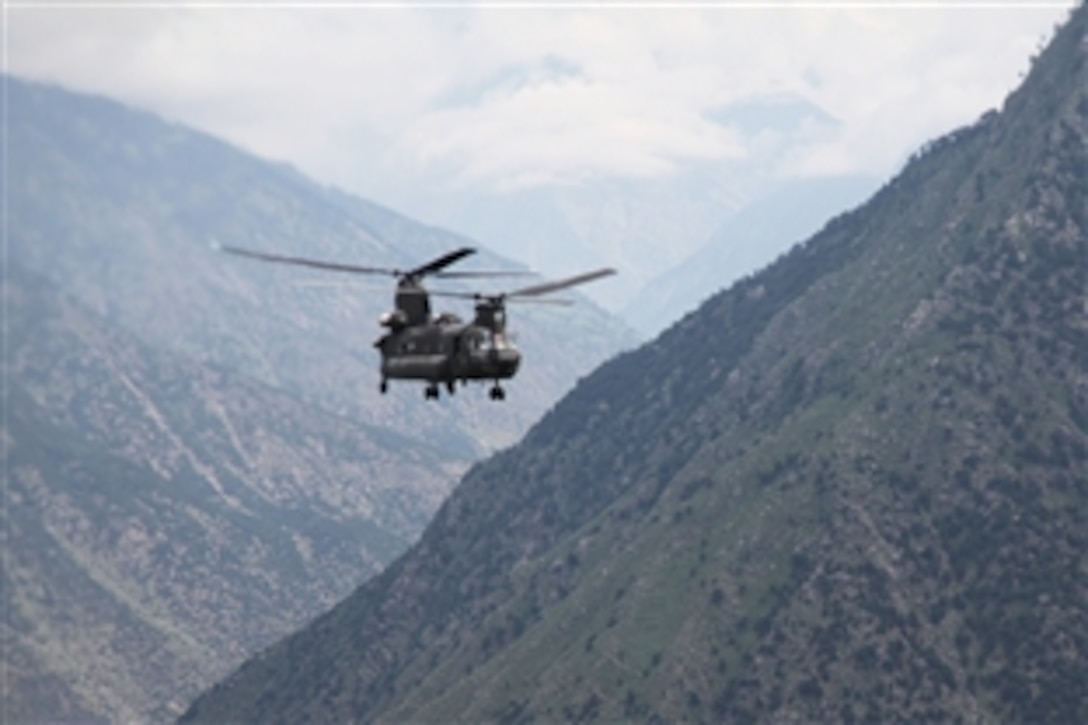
<point>442,349</point>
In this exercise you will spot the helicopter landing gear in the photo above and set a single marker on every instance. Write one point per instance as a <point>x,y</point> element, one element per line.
<point>449,387</point>
<point>383,386</point>
<point>497,393</point>
<point>431,392</point>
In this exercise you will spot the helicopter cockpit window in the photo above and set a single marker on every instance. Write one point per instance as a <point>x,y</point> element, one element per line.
<point>484,341</point>
<point>495,341</point>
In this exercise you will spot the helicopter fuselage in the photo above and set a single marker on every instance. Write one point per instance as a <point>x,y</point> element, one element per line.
<point>447,352</point>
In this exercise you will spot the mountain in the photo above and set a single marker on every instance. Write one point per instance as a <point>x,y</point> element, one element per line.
<point>850,487</point>
<point>748,241</point>
<point>165,518</point>
<point>197,459</point>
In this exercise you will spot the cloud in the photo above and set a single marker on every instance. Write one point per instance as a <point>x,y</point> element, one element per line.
<point>561,130</point>
<point>900,77</point>
<point>507,97</point>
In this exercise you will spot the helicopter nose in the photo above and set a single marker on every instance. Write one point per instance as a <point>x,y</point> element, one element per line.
<point>507,362</point>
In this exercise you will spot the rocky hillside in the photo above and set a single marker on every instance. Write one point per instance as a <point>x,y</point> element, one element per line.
<point>197,460</point>
<point>850,487</point>
<point>163,518</point>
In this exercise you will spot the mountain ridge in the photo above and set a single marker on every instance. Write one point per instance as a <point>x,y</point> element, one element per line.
<point>845,488</point>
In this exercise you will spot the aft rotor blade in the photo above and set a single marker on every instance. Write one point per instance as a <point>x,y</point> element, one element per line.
<point>562,302</point>
<point>542,289</point>
<point>482,274</point>
<point>304,262</point>
<point>496,299</point>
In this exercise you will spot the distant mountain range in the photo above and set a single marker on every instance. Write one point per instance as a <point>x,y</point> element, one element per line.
<point>645,226</point>
<point>197,457</point>
<point>851,487</point>
<point>750,240</point>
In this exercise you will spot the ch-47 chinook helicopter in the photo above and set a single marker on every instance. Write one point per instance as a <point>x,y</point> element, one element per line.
<point>443,349</point>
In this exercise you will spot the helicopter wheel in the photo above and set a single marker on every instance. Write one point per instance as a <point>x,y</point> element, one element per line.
<point>497,393</point>
<point>431,392</point>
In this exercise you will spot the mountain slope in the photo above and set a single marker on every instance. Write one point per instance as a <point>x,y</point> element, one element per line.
<point>162,519</point>
<point>850,487</point>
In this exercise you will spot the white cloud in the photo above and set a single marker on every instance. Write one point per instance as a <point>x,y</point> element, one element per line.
<point>508,97</point>
<point>565,129</point>
<point>900,77</point>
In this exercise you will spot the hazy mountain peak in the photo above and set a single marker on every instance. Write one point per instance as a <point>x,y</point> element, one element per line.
<point>782,113</point>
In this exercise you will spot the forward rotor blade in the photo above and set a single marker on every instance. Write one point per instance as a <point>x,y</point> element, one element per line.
<point>304,262</point>
<point>533,291</point>
<point>542,289</point>
<point>440,263</point>
<point>341,283</point>
<point>448,293</point>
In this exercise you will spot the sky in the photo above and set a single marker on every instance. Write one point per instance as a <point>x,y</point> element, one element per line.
<point>382,98</point>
